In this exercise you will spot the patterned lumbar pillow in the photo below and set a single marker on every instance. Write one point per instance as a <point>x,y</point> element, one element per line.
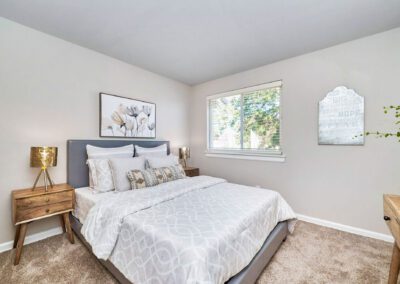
<point>152,177</point>
<point>142,179</point>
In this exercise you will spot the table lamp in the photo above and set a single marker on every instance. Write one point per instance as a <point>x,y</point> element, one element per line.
<point>184,154</point>
<point>43,157</point>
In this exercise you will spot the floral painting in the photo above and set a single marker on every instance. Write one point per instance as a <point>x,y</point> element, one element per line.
<point>125,117</point>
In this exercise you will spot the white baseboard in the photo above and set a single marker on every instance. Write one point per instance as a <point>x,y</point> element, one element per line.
<point>346,228</point>
<point>32,238</point>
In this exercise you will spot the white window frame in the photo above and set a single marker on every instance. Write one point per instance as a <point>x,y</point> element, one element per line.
<point>262,155</point>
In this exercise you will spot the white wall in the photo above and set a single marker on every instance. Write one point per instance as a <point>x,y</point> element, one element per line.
<point>343,184</point>
<point>49,93</point>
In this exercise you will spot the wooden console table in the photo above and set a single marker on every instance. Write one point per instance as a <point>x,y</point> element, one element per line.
<point>391,208</point>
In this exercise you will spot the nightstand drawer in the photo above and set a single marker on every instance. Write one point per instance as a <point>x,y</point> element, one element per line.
<point>40,211</point>
<point>41,200</point>
<point>191,171</point>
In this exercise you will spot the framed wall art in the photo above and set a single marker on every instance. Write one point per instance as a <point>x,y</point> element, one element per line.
<point>341,118</point>
<point>126,118</point>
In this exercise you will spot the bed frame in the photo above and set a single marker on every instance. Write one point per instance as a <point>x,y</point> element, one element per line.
<point>78,176</point>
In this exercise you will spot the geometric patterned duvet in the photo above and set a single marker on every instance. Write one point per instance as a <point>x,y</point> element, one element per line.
<point>195,230</point>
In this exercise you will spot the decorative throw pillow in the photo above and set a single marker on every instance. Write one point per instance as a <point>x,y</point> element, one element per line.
<point>101,175</point>
<point>152,177</point>
<point>166,161</point>
<point>142,179</point>
<point>166,174</point>
<point>178,171</point>
<point>151,152</point>
<point>121,166</point>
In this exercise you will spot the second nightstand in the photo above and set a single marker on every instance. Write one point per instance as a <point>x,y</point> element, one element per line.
<point>30,205</point>
<point>191,171</point>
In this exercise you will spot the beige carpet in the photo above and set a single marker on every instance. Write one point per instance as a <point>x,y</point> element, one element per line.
<point>313,254</point>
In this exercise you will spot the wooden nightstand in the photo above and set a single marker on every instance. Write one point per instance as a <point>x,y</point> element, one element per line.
<point>391,208</point>
<point>191,171</point>
<point>29,205</point>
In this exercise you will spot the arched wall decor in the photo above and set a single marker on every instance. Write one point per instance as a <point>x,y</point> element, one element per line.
<point>341,118</point>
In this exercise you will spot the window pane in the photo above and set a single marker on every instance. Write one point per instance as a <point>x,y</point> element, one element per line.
<point>261,122</point>
<point>224,119</point>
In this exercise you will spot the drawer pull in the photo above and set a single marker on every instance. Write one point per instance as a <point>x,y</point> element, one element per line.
<point>47,199</point>
<point>386,218</point>
<point>47,210</point>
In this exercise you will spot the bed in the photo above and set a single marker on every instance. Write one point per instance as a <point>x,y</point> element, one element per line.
<point>193,230</point>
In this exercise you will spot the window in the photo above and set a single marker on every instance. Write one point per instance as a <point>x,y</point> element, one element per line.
<point>245,121</point>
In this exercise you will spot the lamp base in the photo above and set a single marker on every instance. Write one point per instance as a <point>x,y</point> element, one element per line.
<point>46,178</point>
<point>184,163</point>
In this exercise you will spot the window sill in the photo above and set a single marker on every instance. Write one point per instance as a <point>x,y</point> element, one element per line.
<point>279,158</point>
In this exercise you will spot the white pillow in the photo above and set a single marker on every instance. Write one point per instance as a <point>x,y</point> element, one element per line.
<point>91,185</point>
<point>101,175</point>
<point>151,152</point>
<point>159,162</point>
<point>120,168</point>
<point>94,152</point>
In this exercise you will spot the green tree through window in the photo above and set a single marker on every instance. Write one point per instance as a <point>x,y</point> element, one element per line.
<point>246,121</point>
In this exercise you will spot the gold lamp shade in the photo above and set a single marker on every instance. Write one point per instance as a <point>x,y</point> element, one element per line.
<point>184,154</point>
<point>43,157</point>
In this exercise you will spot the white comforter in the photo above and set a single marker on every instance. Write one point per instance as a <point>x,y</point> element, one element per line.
<point>197,230</point>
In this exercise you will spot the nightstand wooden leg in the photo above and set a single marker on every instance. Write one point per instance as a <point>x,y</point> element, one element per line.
<point>68,228</point>
<point>17,230</point>
<point>62,223</point>
<point>394,265</point>
<point>20,243</point>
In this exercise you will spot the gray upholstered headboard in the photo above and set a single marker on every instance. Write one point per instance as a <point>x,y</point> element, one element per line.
<point>77,170</point>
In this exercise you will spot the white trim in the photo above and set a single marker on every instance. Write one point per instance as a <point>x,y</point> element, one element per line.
<point>346,228</point>
<point>269,158</point>
<point>33,238</point>
<point>245,90</point>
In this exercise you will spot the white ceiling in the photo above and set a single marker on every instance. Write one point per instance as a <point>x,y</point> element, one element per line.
<point>196,41</point>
